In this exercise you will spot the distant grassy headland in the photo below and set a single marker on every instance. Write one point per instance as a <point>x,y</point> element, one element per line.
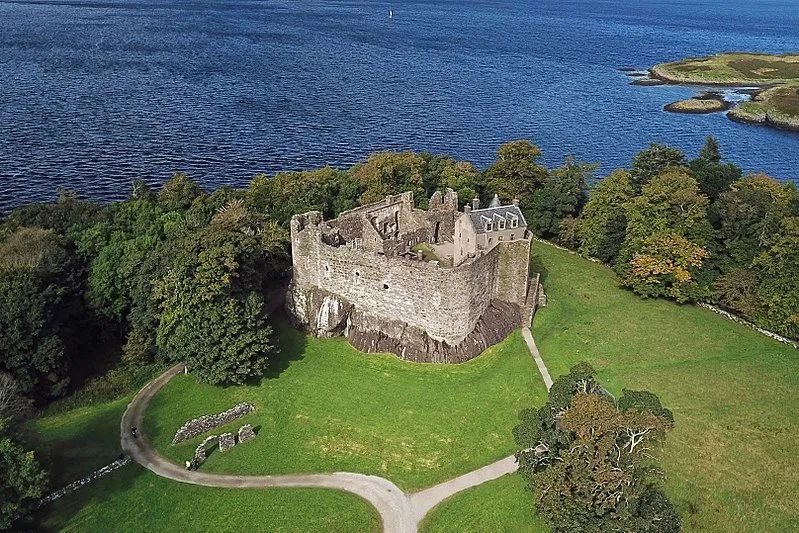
<point>775,104</point>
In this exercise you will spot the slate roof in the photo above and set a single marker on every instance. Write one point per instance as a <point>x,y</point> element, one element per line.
<point>475,215</point>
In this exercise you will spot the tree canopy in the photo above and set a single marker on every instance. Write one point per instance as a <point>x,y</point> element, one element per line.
<point>213,312</point>
<point>588,459</point>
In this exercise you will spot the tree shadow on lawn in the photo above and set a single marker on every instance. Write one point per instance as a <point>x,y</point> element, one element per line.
<point>56,515</point>
<point>290,344</point>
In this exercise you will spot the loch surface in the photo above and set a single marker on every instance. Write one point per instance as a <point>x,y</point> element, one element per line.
<point>96,93</point>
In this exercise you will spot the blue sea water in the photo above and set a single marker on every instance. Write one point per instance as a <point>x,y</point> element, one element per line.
<point>95,93</point>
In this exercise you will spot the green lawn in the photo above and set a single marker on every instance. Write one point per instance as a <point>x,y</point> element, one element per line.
<point>133,499</point>
<point>731,461</point>
<point>328,407</point>
<point>77,442</point>
<point>502,505</point>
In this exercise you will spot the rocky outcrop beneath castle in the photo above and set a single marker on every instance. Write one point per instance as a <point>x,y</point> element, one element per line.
<point>325,314</point>
<point>371,334</point>
<point>322,313</point>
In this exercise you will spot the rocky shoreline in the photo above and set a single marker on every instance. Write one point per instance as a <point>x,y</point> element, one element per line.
<point>772,99</point>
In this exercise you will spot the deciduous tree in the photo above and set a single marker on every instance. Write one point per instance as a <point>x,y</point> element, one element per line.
<point>666,265</point>
<point>588,462</point>
<point>748,215</point>
<point>604,220</point>
<point>515,173</point>
<point>178,193</point>
<point>562,195</point>
<point>653,161</point>
<point>778,281</point>
<point>212,303</point>
<point>40,310</point>
<point>670,213</point>
<point>22,479</point>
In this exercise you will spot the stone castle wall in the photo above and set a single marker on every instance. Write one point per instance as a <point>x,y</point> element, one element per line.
<point>350,277</point>
<point>445,302</point>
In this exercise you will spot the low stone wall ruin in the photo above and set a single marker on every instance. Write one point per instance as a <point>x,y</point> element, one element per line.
<point>75,485</point>
<point>202,424</point>
<point>225,441</point>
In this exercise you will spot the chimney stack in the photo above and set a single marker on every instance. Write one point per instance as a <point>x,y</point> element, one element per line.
<point>475,203</point>
<point>467,208</point>
<point>516,202</point>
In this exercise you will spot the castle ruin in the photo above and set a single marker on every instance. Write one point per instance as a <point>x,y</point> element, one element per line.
<point>434,285</point>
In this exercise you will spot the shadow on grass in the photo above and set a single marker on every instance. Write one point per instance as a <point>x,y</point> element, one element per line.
<point>290,344</point>
<point>537,266</point>
<point>56,515</point>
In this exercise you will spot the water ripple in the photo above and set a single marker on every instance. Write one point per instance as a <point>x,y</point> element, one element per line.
<point>94,94</point>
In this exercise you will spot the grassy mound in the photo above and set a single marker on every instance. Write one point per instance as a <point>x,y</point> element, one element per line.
<point>777,107</point>
<point>328,407</point>
<point>698,105</point>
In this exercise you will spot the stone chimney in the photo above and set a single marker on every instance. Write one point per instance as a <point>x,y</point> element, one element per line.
<point>475,203</point>
<point>467,208</point>
<point>516,202</point>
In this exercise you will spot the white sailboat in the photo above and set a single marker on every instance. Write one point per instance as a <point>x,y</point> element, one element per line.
<point>390,14</point>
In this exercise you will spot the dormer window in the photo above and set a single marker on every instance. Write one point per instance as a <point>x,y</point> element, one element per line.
<point>488,224</point>
<point>514,220</point>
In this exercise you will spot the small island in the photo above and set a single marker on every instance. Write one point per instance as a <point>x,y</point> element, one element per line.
<point>707,102</point>
<point>774,102</point>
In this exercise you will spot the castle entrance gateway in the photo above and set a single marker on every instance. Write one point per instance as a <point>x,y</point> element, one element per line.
<point>434,285</point>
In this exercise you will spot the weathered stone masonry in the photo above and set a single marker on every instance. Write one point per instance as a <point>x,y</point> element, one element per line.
<point>356,275</point>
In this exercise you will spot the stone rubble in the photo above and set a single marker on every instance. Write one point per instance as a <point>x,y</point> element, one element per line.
<point>226,441</point>
<point>246,433</point>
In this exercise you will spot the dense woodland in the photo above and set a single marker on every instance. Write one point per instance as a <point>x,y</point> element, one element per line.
<point>95,298</point>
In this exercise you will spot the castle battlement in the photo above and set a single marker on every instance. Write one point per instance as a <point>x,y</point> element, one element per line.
<point>386,275</point>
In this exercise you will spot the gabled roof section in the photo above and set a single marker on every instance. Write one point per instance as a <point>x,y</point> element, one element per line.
<point>478,217</point>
